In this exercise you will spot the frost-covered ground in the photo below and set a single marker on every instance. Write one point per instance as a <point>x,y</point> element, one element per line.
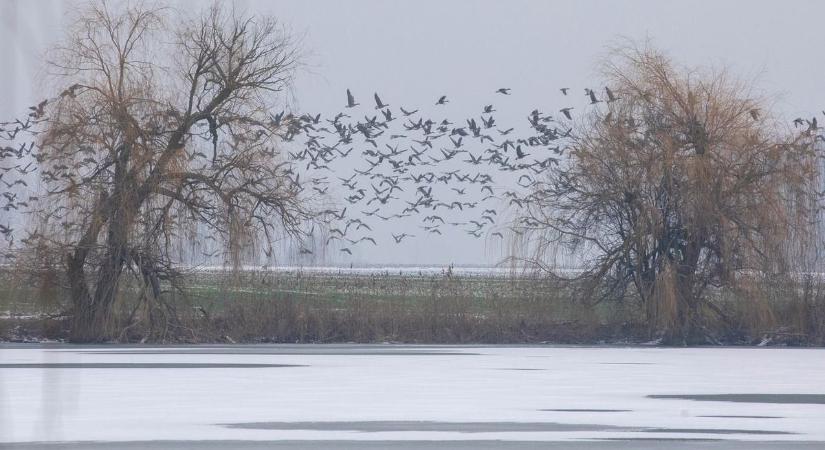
<point>354,396</point>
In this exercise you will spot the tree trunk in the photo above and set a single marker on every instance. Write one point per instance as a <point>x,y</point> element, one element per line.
<point>83,308</point>
<point>688,302</point>
<point>93,316</point>
<point>92,320</point>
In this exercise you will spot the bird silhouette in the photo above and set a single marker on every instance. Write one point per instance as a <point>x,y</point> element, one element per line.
<point>610,97</point>
<point>754,113</point>
<point>378,103</point>
<point>592,95</point>
<point>398,238</point>
<point>351,100</point>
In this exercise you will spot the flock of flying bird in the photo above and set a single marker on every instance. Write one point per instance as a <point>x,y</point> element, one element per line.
<point>403,165</point>
<point>442,173</point>
<point>393,164</point>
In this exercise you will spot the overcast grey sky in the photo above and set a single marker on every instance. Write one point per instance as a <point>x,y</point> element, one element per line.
<point>413,51</point>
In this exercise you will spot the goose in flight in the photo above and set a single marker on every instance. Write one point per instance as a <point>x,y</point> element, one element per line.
<point>378,103</point>
<point>610,96</point>
<point>399,237</point>
<point>351,100</point>
<point>592,95</point>
<point>755,113</point>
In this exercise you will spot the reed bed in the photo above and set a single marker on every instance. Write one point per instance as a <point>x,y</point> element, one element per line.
<point>306,307</point>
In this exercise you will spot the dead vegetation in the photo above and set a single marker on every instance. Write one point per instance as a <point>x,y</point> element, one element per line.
<point>320,308</point>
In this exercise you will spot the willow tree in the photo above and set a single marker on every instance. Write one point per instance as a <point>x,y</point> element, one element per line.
<point>159,132</point>
<point>679,181</point>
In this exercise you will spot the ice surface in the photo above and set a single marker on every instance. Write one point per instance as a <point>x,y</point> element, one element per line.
<point>391,393</point>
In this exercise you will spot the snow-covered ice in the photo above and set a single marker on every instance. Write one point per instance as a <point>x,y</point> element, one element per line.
<point>390,393</point>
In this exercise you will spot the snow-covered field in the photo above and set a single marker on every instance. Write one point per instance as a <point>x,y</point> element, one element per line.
<point>410,393</point>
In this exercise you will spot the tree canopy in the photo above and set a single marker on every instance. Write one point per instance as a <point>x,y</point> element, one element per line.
<point>680,181</point>
<point>159,136</point>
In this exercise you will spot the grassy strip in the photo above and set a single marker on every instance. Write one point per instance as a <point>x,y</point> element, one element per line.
<point>301,307</point>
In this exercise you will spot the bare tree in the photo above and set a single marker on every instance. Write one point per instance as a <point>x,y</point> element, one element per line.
<point>160,136</point>
<point>679,181</point>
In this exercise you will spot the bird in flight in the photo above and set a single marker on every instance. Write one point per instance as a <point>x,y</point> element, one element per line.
<point>593,99</point>
<point>378,103</point>
<point>755,113</point>
<point>564,90</point>
<point>399,237</point>
<point>442,100</point>
<point>350,100</point>
<point>566,112</point>
<point>610,97</point>
<point>505,91</point>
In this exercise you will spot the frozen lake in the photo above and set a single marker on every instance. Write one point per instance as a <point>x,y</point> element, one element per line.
<point>410,397</point>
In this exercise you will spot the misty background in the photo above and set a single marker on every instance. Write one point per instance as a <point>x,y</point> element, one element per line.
<point>413,52</point>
